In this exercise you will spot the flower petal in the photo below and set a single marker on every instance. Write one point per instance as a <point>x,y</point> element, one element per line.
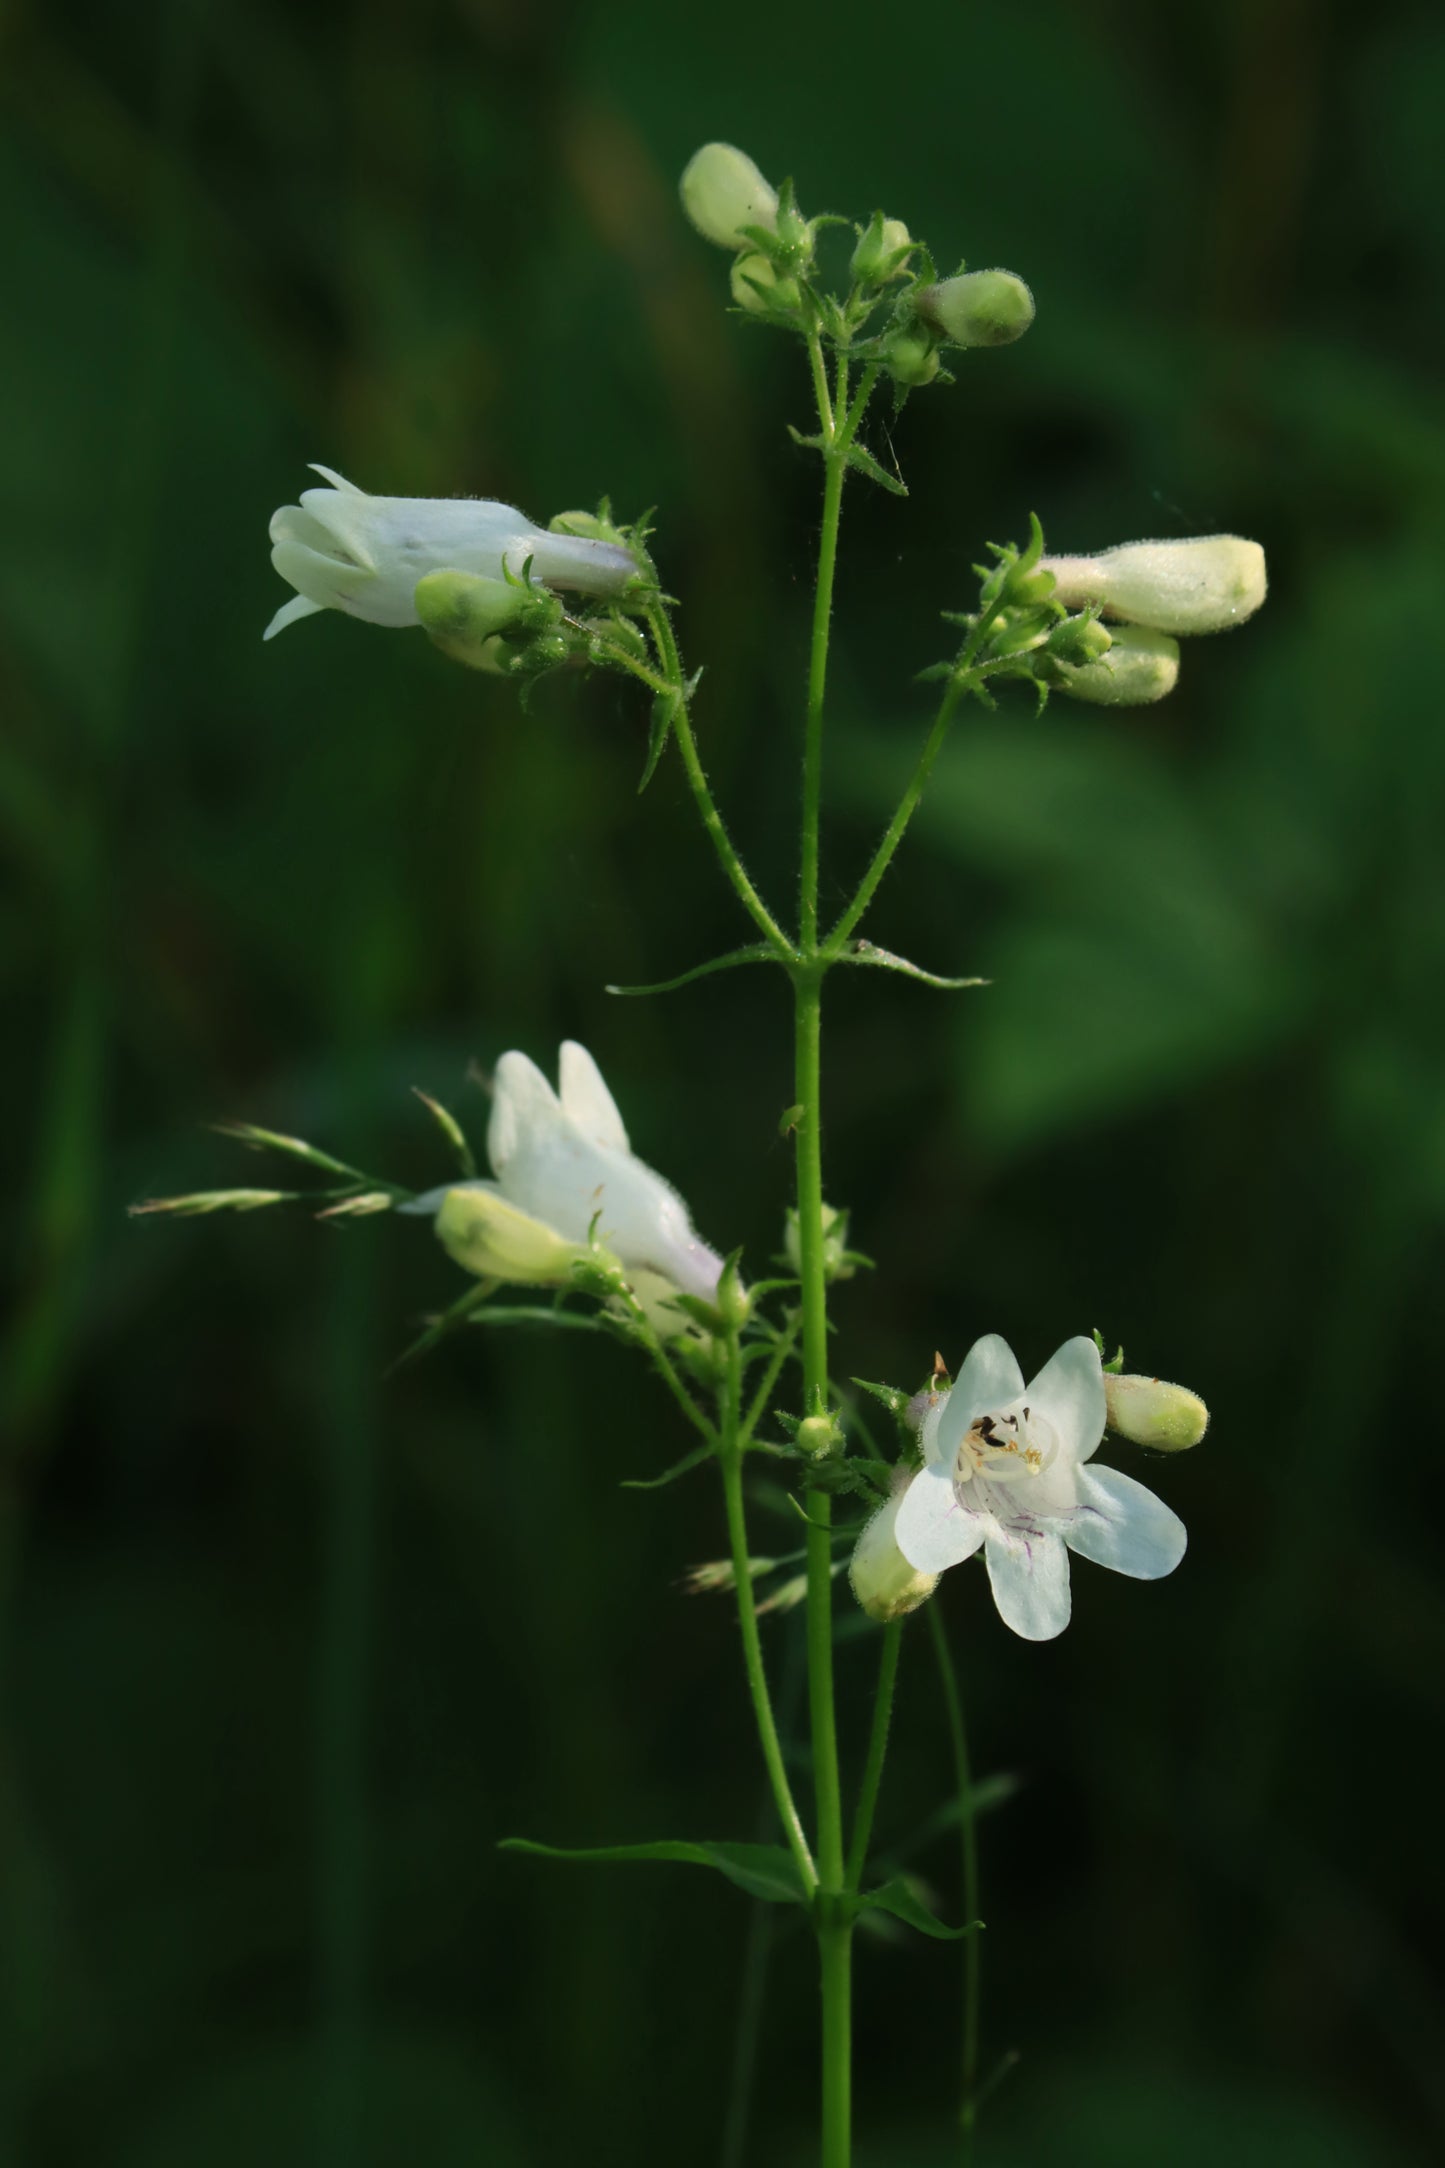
<point>1029,1576</point>
<point>1069,1393</point>
<point>337,481</point>
<point>932,1530</point>
<point>586,1099</point>
<point>990,1379</point>
<point>1121,1524</point>
<point>524,1105</point>
<point>290,613</point>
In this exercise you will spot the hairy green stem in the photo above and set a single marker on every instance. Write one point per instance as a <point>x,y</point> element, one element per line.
<point>712,820</point>
<point>968,1839</point>
<point>758,1406</point>
<point>833,1922</point>
<point>908,806</point>
<point>877,1750</point>
<point>731,1458</point>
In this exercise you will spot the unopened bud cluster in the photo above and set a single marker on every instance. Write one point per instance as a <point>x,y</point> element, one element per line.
<point>1043,618</point>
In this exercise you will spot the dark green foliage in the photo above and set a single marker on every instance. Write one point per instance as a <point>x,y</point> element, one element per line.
<point>286,1645</point>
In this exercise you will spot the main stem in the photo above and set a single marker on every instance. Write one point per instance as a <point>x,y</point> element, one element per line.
<point>833,1922</point>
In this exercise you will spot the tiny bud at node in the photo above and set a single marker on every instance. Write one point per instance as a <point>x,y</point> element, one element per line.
<point>1079,640</point>
<point>758,287</point>
<point>735,1304</point>
<point>911,358</point>
<point>1202,584</point>
<point>818,1436</point>
<point>838,1263</point>
<point>982,308</point>
<point>1139,667</point>
<point>1152,1412</point>
<point>884,1583</point>
<point>882,251</point>
<point>723,191</point>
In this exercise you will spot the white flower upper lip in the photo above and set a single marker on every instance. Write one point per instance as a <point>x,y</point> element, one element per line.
<point>1006,1467</point>
<point>344,550</point>
<point>564,1158</point>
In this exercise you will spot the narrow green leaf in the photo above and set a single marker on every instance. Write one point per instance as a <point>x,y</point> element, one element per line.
<point>534,1314</point>
<point>269,1140</point>
<point>861,458</point>
<point>202,1201</point>
<point>809,444</point>
<point>894,1399</point>
<point>901,1899</point>
<point>689,1461</point>
<point>664,715</point>
<point>763,1870</point>
<point>759,953</point>
<point>451,1129</point>
<point>460,1313</point>
<point>865,952</point>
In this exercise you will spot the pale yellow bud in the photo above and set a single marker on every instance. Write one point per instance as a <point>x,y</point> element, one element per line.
<point>882,1580</point>
<point>723,191</point>
<point>1202,583</point>
<point>491,1238</point>
<point>1152,1412</point>
<point>1139,667</point>
<point>979,308</point>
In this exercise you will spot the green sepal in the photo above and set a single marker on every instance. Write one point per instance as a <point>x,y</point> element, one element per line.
<point>866,952</point>
<point>664,715</point>
<point>762,1870</point>
<point>451,1129</point>
<point>685,1466</point>
<point>891,1396</point>
<point>901,1899</point>
<point>861,458</point>
<point>760,952</point>
<point>1115,1366</point>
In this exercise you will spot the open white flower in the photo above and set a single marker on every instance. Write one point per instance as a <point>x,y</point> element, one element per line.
<point>1005,1466</point>
<point>563,1160</point>
<point>343,550</point>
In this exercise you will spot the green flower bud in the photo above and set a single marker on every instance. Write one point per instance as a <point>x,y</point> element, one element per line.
<point>881,252</point>
<point>723,191</point>
<point>836,1261</point>
<point>1201,584</point>
<point>882,1580</point>
<point>1079,640</point>
<point>818,1436</point>
<point>491,1238</point>
<point>1139,667</point>
<point>735,1304</point>
<point>757,286</point>
<point>911,358</point>
<point>1151,1412</point>
<point>982,308</point>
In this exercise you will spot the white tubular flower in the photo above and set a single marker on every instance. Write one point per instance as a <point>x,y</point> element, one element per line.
<point>1005,1466</point>
<point>343,550</point>
<point>1200,585</point>
<point>563,1159</point>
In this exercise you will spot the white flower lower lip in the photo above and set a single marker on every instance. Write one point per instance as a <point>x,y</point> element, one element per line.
<point>1007,1469</point>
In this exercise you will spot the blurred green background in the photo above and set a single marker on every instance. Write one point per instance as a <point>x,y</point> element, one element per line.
<point>286,1647</point>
